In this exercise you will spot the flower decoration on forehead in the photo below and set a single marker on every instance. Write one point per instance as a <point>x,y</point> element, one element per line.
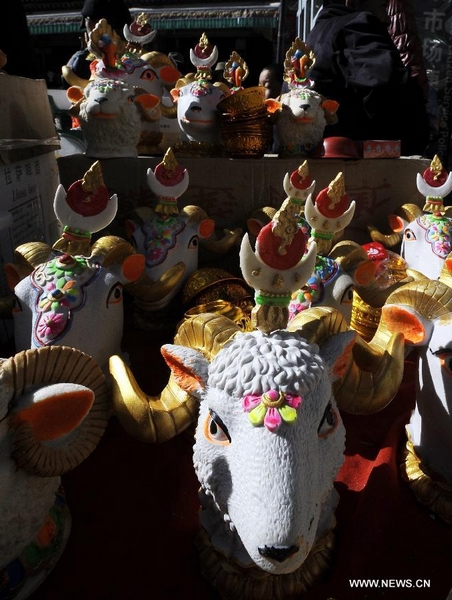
<point>272,408</point>
<point>434,184</point>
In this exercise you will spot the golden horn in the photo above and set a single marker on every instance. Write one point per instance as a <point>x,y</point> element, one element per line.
<point>374,370</point>
<point>160,418</point>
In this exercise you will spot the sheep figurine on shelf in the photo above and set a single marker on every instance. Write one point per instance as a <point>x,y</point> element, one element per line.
<point>304,112</point>
<point>52,415</point>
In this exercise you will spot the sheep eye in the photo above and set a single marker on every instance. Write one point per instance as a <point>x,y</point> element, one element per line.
<point>409,235</point>
<point>347,297</point>
<point>215,430</point>
<point>329,421</point>
<point>131,99</point>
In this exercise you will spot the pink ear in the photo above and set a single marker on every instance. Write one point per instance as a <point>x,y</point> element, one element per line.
<point>185,377</point>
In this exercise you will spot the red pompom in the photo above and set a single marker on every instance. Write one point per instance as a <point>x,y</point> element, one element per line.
<point>87,203</point>
<point>268,246</point>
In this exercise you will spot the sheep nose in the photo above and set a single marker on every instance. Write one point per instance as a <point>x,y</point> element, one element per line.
<point>278,553</point>
<point>196,108</point>
<point>305,107</point>
<point>100,100</point>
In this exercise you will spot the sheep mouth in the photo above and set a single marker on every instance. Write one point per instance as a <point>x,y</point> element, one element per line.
<point>104,115</point>
<point>304,120</point>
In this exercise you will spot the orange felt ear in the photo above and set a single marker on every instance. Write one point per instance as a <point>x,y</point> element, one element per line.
<point>174,94</point>
<point>400,320</point>
<point>254,226</point>
<point>74,93</point>
<point>396,223</point>
<point>448,263</point>
<point>365,272</point>
<point>206,228</point>
<point>148,101</point>
<point>169,75</point>
<point>133,267</point>
<point>330,106</point>
<point>341,364</point>
<point>12,275</point>
<point>184,376</point>
<point>57,415</point>
<point>272,105</point>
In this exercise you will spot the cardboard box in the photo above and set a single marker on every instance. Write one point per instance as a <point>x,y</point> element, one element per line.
<point>28,167</point>
<point>230,189</point>
<point>381,149</point>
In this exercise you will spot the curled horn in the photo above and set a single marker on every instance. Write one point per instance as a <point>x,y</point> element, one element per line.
<point>431,298</point>
<point>160,418</point>
<point>374,369</point>
<point>408,212</point>
<point>35,368</point>
<point>194,214</point>
<point>111,250</point>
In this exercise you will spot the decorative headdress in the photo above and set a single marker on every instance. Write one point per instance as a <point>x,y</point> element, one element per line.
<point>434,184</point>
<point>299,60</point>
<point>168,181</point>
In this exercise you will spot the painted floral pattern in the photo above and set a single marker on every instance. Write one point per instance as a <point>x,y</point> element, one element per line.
<point>161,236</point>
<point>437,233</point>
<point>271,408</point>
<point>60,285</point>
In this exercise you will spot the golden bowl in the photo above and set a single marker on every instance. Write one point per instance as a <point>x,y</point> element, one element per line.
<point>210,284</point>
<point>226,309</point>
<point>243,101</point>
<point>246,145</point>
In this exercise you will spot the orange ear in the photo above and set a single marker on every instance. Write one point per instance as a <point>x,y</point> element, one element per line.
<point>74,93</point>
<point>400,320</point>
<point>396,223</point>
<point>57,415</point>
<point>148,101</point>
<point>330,106</point>
<point>175,94</point>
<point>448,263</point>
<point>365,272</point>
<point>272,105</point>
<point>169,75</point>
<point>133,267</point>
<point>12,275</point>
<point>206,228</point>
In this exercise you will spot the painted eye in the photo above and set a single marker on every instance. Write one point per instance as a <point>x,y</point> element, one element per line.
<point>115,295</point>
<point>215,430</point>
<point>148,75</point>
<point>329,421</point>
<point>131,99</point>
<point>409,235</point>
<point>347,297</point>
<point>193,243</point>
